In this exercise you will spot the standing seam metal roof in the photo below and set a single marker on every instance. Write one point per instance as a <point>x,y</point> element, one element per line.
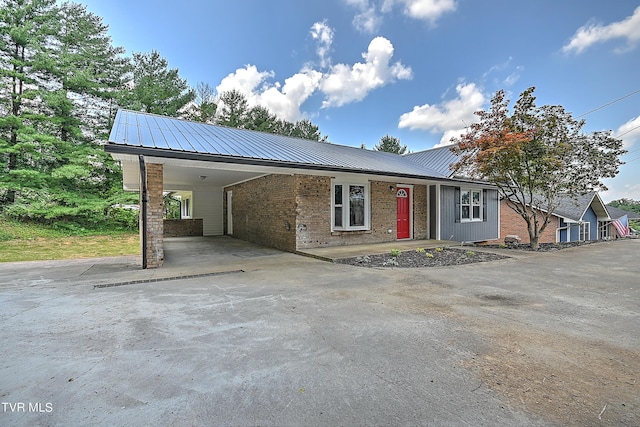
<point>438,159</point>
<point>142,130</point>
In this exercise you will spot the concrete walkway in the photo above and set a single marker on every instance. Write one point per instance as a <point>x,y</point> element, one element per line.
<point>192,257</point>
<point>337,252</point>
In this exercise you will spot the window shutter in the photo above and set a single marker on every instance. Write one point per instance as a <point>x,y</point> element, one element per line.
<point>456,197</point>
<point>484,205</point>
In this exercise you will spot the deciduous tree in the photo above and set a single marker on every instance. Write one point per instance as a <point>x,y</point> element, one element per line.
<point>536,156</point>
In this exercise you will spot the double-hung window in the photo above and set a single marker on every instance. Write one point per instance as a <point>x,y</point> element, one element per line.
<point>350,206</point>
<point>585,231</point>
<point>471,205</point>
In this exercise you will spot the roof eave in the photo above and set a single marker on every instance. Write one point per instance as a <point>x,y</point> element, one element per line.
<point>116,148</point>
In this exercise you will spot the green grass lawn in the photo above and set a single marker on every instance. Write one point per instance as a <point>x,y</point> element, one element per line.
<point>29,242</point>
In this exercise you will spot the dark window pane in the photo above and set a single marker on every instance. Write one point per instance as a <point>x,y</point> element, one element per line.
<point>464,197</point>
<point>476,197</point>
<point>337,220</point>
<point>465,212</point>
<point>356,206</point>
<point>337,195</point>
<point>476,212</point>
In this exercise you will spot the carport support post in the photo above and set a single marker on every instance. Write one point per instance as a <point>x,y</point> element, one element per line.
<point>151,225</point>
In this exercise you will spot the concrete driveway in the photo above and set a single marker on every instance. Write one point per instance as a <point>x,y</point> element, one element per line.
<point>280,339</point>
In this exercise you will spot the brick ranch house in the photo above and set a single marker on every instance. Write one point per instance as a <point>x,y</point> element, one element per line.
<point>290,193</point>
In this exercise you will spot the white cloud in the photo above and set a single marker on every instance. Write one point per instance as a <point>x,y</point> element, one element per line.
<point>450,117</point>
<point>512,78</point>
<point>629,133</point>
<point>321,32</point>
<point>351,83</point>
<point>285,101</point>
<point>370,12</point>
<point>245,80</point>
<point>367,21</point>
<point>341,84</point>
<point>628,28</point>
<point>428,10</point>
<point>499,70</point>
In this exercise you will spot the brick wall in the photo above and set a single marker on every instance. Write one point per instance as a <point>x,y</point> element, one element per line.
<point>294,212</point>
<point>512,224</point>
<point>155,250</point>
<point>264,212</point>
<point>314,215</point>
<point>182,227</point>
<point>420,225</point>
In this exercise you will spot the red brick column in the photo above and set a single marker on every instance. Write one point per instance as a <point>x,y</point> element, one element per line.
<point>155,250</point>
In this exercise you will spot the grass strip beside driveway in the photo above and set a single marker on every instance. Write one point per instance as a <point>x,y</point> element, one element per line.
<point>50,248</point>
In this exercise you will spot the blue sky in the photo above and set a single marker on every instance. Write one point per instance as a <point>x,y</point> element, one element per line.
<point>414,69</point>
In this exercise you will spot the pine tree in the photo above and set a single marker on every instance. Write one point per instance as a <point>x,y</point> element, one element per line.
<point>155,88</point>
<point>59,73</point>
<point>26,28</point>
<point>390,144</point>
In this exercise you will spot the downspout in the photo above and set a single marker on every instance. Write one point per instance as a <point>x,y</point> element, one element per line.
<point>144,200</point>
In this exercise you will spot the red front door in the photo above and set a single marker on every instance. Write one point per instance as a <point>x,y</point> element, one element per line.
<point>402,196</point>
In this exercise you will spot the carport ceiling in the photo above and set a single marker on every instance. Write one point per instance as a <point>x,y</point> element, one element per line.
<point>189,176</point>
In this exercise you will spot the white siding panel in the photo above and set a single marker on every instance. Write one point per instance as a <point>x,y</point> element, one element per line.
<point>207,204</point>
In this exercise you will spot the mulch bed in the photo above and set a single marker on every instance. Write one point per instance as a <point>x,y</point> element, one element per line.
<point>544,247</point>
<point>429,258</point>
<point>443,257</point>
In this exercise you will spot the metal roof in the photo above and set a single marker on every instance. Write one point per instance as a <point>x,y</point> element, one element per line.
<point>438,159</point>
<point>153,135</point>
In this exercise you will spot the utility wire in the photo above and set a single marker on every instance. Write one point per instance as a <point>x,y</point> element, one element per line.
<point>629,131</point>
<point>609,103</point>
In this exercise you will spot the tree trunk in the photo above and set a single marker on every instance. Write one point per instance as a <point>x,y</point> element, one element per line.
<point>535,243</point>
<point>534,238</point>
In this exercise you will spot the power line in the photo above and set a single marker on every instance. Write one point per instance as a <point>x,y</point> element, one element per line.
<point>629,131</point>
<point>632,160</point>
<point>609,103</point>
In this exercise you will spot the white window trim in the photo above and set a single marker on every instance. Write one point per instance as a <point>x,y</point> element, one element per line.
<point>186,208</point>
<point>471,205</point>
<point>345,205</point>
<point>584,231</point>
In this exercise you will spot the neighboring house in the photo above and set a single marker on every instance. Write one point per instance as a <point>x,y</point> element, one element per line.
<point>583,218</point>
<point>620,221</point>
<point>290,193</point>
<point>575,219</point>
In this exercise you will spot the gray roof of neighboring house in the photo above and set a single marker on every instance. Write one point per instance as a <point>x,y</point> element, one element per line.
<point>575,208</point>
<point>153,135</point>
<point>616,213</point>
<point>439,159</point>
